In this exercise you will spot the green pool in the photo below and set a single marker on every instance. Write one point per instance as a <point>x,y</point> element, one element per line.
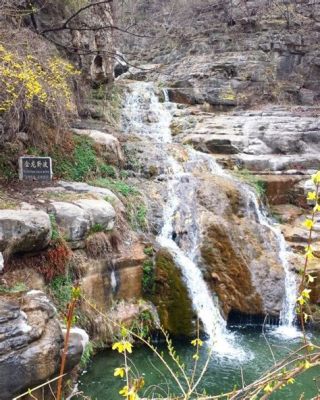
<point>223,374</point>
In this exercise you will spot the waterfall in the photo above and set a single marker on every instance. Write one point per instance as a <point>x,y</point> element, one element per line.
<point>179,211</point>
<point>287,314</point>
<point>166,95</point>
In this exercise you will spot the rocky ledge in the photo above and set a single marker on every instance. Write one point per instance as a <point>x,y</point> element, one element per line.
<point>31,341</point>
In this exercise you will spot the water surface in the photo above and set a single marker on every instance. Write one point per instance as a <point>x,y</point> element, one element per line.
<point>223,374</point>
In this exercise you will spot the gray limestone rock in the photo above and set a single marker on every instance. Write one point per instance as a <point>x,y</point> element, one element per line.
<point>23,231</point>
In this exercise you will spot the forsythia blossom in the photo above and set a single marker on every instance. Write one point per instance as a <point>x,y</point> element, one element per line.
<point>122,346</point>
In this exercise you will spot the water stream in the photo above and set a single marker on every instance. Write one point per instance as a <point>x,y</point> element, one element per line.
<point>142,104</point>
<point>179,210</point>
<point>287,314</point>
<point>244,351</point>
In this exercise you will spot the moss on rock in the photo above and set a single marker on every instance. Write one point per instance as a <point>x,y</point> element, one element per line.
<point>171,297</point>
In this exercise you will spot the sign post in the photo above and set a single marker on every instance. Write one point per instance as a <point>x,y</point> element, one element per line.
<point>35,168</point>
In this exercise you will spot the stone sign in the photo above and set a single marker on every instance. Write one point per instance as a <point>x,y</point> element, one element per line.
<point>35,168</point>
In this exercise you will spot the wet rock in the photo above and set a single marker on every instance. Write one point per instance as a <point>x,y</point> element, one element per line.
<point>1,262</point>
<point>115,275</point>
<point>23,231</point>
<point>215,144</point>
<point>172,298</point>
<point>240,255</point>
<point>140,72</point>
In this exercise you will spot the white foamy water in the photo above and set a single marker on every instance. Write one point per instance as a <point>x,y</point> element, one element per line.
<point>184,247</point>
<point>287,326</point>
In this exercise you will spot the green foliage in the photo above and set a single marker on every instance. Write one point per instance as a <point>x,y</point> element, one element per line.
<point>124,174</point>
<point>248,177</point>
<point>137,214</point>
<point>143,324</point>
<point>17,288</point>
<point>148,251</point>
<point>115,185</point>
<point>55,235</point>
<point>148,277</point>
<point>95,229</point>
<point>61,290</point>
<point>9,162</point>
<point>142,215</point>
<point>99,92</point>
<point>107,171</point>
<point>87,355</point>
<point>78,165</point>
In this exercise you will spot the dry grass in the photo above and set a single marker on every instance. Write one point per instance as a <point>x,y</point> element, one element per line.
<point>101,244</point>
<point>7,203</point>
<point>67,196</point>
<point>48,264</point>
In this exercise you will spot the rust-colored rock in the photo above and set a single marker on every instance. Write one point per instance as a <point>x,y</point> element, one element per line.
<point>240,254</point>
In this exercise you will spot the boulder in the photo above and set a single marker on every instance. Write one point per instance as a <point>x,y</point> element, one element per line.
<point>72,220</point>
<point>110,144</point>
<point>30,344</point>
<point>78,341</point>
<point>99,212</point>
<point>81,187</point>
<point>24,230</point>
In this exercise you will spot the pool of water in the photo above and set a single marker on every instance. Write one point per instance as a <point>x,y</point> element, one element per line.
<point>258,352</point>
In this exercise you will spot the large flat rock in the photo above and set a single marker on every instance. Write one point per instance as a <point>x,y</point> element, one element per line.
<point>24,230</point>
<point>76,219</point>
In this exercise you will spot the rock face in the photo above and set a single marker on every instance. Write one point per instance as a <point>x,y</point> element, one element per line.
<point>91,47</point>
<point>171,297</point>
<point>23,231</point>
<point>112,272</point>
<point>30,343</point>
<point>241,255</point>
<point>251,53</point>
<point>274,139</point>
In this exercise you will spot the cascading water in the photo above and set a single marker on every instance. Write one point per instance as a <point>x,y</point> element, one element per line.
<point>181,191</point>
<point>287,314</point>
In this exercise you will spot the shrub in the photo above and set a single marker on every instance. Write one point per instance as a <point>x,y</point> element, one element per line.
<point>107,171</point>
<point>61,288</point>
<point>33,86</point>
<point>148,277</point>
<point>87,355</point>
